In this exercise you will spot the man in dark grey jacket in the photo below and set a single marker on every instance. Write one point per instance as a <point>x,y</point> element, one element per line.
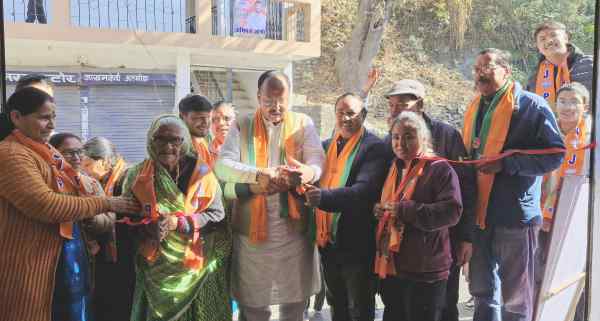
<point>552,41</point>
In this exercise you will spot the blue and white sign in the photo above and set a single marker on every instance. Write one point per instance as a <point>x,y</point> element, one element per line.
<point>56,78</point>
<point>97,78</point>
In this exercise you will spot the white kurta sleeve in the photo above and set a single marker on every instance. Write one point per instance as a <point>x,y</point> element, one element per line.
<point>229,167</point>
<point>312,153</point>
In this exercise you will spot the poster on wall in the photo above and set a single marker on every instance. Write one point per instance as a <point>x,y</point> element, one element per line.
<point>249,18</point>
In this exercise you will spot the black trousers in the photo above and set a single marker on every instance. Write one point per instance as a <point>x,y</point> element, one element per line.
<point>450,312</point>
<point>35,10</point>
<point>407,300</point>
<point>115,282</point>
<point>350,290</point>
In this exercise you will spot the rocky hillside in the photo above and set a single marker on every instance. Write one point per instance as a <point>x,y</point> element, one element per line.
<point>402,56</point>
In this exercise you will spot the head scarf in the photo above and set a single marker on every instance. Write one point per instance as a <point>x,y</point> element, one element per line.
<point>177,260</point>
<point>164,120</point>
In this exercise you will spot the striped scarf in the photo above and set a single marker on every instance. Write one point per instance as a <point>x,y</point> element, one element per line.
<point>256,153</point>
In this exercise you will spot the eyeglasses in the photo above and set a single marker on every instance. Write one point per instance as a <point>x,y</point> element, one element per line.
<point>484,69</point>
<point>166,140</point>
<point>270,103</point>
<point>71,153</point>
<point>568,103</point>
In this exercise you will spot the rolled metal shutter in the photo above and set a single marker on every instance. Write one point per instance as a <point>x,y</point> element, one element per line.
<point>68,108</point>
<point>123,114</point>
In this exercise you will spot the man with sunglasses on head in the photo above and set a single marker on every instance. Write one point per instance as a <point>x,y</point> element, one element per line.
<point>409,95</point>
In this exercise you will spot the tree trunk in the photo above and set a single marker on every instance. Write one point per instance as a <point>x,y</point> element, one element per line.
<point>459,12</point>
<point>353,61</point>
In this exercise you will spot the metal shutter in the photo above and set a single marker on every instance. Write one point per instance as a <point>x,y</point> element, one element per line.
<point>123,115</point>
<point>68,108</point>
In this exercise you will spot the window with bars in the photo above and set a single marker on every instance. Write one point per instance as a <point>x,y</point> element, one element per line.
<point>143,15</point>
<point>212,84</point>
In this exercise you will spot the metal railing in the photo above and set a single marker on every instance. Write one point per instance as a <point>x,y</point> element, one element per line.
<point>270,19</point>
<point>31,11</point>
<point>216,83</point>
<point>143,15</point>
<point>211,83</point>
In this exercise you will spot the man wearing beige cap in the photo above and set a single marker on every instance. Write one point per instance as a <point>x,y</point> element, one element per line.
<point>405,95</point>
<point>408,95</point>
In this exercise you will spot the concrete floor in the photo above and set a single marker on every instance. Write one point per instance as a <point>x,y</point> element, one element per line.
<point>465,310</point>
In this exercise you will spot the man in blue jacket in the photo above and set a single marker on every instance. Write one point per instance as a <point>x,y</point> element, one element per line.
<point>348,253</point>
<point>508,216</point>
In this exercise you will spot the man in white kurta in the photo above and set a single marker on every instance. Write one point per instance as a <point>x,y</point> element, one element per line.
<point>282,269</point>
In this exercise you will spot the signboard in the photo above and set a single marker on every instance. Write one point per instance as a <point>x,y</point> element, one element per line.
<point>107,78</point>
<point>249,18</point>
<point>97,78</point>
<point>564,277</point>
<point>56,78</point>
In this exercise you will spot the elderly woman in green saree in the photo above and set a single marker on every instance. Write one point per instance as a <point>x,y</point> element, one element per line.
<point>183,243</point>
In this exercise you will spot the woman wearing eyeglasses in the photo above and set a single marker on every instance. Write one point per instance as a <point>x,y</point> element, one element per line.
<point>186,237</point>
<point>71,147</point>
<point>78,257</point>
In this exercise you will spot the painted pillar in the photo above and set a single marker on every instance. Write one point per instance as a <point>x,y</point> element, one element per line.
<point>183,78</point>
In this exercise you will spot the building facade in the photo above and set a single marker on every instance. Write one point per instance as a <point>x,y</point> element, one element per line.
<point>116,64</point>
